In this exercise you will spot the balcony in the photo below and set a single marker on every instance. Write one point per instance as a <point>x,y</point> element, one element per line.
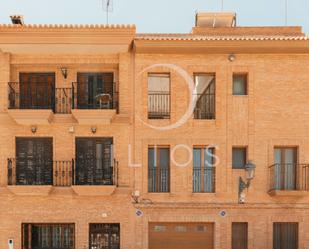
<point>204,180</point>
<point>158,180</point>
<point>31,103</point>
<point>159,105</point>
<point>289,179</point>
<point>94,105</point>
<point>39,176</point>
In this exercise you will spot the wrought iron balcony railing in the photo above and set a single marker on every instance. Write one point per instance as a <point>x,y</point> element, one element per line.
<point>204,180</point>
<point>39,95</point>
<point>85,98</point>
<point>158,180</point>
<point>159,105</point>
<point>289,176</point>
<point>61,173</point>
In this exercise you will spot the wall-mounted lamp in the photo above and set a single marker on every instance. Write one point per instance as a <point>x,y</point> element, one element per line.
<point>64,72</point>
<point>34,129</point>
<point>232,57</point>
<point>93,129</point>
<point>250,172</point>
<point>135,196</point>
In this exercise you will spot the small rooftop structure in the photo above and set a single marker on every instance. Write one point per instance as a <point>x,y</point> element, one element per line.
<point>17,19</point>
<point>215,20</point>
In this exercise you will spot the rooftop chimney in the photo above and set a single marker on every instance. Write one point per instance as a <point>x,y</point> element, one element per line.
<point>17,19</point>
<point>215,20</point>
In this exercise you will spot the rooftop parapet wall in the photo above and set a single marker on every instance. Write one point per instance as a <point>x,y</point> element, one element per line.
<point>71,39</point>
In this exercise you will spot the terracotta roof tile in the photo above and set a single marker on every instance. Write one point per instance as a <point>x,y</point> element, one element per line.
<point>67,26</point>
<point>179,37</point>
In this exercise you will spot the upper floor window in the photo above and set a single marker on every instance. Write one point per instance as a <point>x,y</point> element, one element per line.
<point>284,172</point>
<point>33,91</point>
<point>240,84</point>
<point>159,96</point>
<point>203,170</point>
<point>158,169</point>
<point>205,99</point>
<point>94,161</point>
<point>95,91</point>
<point>33,164</point>
<point>239,157</point>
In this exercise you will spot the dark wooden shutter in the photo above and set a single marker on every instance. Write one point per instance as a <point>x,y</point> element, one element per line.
<point>94,161</point>
<point>285,235</point>
<point>90,85</point>
<point>239,235</point>
<point>34,161</point>
<point>37,90</point>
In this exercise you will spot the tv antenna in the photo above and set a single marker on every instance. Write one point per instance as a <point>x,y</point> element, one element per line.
<point>107,7</point>
<point>286,12</point>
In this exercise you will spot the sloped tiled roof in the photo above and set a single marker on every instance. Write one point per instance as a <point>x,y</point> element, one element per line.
<point>180,37</point>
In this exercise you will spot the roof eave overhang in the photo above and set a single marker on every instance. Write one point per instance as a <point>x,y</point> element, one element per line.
<point>221,47</point>
<point>66,40</point>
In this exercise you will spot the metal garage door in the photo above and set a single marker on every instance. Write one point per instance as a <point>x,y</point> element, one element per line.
<point>181,235</point>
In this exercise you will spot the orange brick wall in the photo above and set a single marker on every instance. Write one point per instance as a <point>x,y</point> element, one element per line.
<point>273,114</point>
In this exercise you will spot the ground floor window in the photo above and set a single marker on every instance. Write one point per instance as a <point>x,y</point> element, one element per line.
<point>48,236</point>
<point>104,236</point>
<point>285,235</point>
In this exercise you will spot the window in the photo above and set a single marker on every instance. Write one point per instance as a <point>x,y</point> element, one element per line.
<point>34,162</point>
<point>37,91</point>
<point>284,171</point>
<point>205,99</point>
<point>48,236</point>
<point>94,91</point>
<point>94,161</point>
<point>181,228</point>
<point>104,236</point>
<point>239,235</point>
<point>240,84</point>
<point>239,157</point>
<point>158,96</point>
<point>203,170</point>
<point>158,169</point>
<point>285,235</point>
<point>159,228</point>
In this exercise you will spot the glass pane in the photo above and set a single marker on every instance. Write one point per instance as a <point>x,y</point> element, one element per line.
<point>240,84</point>
<point>202,81</point>
<point>159,83</point>
<point>197,158</point>
<point>239,158</point>
<point>151,158</point>
<point>197,169</point>
<point>209,157</point>
<point>277,155</point>
<point>290,155</point>
<point>164,158</point>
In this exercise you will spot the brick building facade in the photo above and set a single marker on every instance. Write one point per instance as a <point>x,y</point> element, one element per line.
<point>94,154</point>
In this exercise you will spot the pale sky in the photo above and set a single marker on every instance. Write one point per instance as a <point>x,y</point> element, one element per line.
<point>151,16</point>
